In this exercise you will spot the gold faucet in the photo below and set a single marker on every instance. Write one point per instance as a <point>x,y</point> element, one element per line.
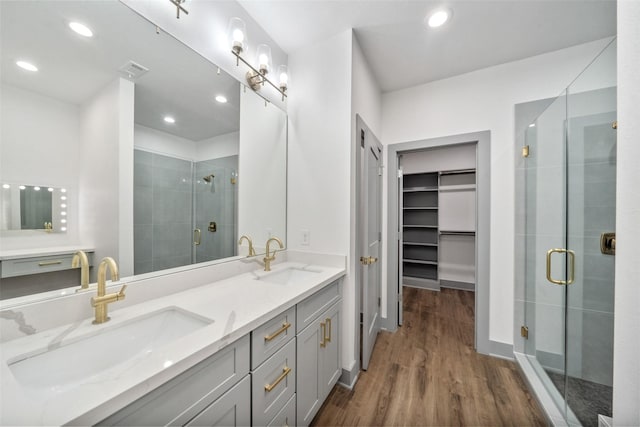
<point>81,261</point>
<point>101,301</point>
<point>252,251</point>
<point>267,259</point>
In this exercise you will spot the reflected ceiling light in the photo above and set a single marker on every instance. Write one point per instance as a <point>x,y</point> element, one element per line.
<point>64,221</point>
<point>6,186</point>
<point>532,125</point>
<point>438,18</point>
<point>257,75</point>
<point>63,213</point>
<point>63,205</point>
<point>26,65</point>
<point>81,29</point>
<point>63,198</point>
<point>63,190</point>
<point>169,119</point>
<point>36,188</point>
<point>22,187</point>
<point>63,228</point>
<point>221,99</point>
<point>50,189</point>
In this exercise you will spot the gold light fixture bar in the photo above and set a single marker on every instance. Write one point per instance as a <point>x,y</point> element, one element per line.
<point>255,78</point>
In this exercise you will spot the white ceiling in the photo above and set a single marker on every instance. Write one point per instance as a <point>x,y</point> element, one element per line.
<point>402,52</point>
<point>180,82</point>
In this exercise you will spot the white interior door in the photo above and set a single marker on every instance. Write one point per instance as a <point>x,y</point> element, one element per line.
<point>371,211</point>
<point>399,241</point>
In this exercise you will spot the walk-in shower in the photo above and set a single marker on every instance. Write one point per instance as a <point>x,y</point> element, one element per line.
<point>566,182</point>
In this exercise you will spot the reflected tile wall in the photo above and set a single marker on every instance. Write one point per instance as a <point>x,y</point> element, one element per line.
<point>162,212</point>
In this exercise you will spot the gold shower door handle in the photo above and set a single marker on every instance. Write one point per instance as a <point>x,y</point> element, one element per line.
<point>197,236</point>
<point>572,266</point>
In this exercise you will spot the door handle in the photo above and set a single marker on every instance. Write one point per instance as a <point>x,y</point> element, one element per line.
<point>368,260</point>
<point>197,235</point>
<point>572,266</point>
<point>328,322</point>
<point>323,332</point>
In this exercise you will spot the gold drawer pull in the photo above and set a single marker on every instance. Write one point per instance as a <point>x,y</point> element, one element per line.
<point>46,263</point>
<point>328,339</point>
<point>323,329</point>
<point>285,326</point>
<point>282,376</point>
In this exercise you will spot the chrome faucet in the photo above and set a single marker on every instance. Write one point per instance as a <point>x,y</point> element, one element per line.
<point>267,259</point>
<point>80,260</point>
<point>252,252</point>
<point>101,301</point>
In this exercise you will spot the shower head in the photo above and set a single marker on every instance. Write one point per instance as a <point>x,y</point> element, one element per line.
<point>209,178</point>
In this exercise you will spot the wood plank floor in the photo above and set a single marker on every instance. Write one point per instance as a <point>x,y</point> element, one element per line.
<point>428,374</point>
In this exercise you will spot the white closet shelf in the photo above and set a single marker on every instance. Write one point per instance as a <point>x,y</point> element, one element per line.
<point>457,233</point>
<point>419,226</point>
<point>420,244</point>
<point>461,187</point>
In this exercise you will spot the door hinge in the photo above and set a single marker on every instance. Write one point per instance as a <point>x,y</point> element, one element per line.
<point>362,138</point>
<point>379,170</point>
<point>614,125</point>
<point>525,151</point>
<point>524,332</point>
<point>378,301</point>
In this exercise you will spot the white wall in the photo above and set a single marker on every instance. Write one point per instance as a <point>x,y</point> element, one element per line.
<point>155,141</point>
<point>484,100</point>
<point>39,145</point>
<point>219,146</point>
<point>319,164</point>
<point>262,170</point>
<point>106,173</point>
<point>626,381</point>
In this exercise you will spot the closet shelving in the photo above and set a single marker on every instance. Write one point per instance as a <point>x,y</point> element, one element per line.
<point>420,229</point>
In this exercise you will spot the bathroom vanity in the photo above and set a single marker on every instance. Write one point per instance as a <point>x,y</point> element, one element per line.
<point>257,348</point>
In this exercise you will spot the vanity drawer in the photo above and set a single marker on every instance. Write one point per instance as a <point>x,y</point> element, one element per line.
<point>309,309</point>
<point>287,415</point>
<point>182,398</point>
<point>41,264</point>
<point>232,409</point>
<point>269,337</point>
<point>273,384</point>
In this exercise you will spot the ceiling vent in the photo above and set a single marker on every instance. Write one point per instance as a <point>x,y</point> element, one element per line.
<point>132,70</point>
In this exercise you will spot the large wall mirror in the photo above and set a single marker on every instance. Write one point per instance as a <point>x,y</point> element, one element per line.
<point>165,159</point>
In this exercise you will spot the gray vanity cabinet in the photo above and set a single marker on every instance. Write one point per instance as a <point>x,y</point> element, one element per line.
<point>205,392</point>
<point>318,348</point>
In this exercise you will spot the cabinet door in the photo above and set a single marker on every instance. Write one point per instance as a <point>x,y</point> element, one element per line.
<point>330,354</point>
<point>308,381</point>
<point>232,408</point>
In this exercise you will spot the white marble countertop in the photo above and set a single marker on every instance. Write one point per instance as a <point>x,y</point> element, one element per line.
<point>235,306</point>
<point>31,253</point>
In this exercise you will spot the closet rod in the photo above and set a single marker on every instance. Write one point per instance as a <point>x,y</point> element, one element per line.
<point>458,172</point>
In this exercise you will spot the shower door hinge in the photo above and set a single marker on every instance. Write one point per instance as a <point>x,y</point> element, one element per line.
<point>525,151</point>
<point>524,332</point>
<point>614,125</point>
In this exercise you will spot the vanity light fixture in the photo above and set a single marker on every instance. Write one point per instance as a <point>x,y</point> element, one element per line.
<point>221,99</point>
<point>256,77</point>
<point>81,29</point>
<point>438,18</point>
<point>26,65</point>
<point>179,8</point>
<point>169,119</point>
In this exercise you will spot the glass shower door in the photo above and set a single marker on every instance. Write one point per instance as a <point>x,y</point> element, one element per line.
<point>546,272</point>
<point>591,210</point>
<point>570,180</point>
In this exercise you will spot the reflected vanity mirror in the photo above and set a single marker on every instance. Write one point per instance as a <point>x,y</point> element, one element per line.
<point>165,159</point>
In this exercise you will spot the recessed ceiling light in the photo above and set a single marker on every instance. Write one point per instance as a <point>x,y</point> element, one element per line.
<point>26,66</point>
<point>169,119</point>
<point>438,18</point>
<point>6,186</point>
<point>81,29</point>
<point>221,99</point>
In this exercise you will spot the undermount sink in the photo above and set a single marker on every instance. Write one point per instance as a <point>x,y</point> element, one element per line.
<point>78,359</point>
<point>289,276</point>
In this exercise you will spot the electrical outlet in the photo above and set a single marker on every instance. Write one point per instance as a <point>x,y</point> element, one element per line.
<point>305,237</point>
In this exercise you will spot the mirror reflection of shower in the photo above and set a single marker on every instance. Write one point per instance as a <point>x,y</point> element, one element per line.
<point>209,180</point>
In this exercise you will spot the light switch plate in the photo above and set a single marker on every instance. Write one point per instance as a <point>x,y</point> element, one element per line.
<point>305,237</point>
